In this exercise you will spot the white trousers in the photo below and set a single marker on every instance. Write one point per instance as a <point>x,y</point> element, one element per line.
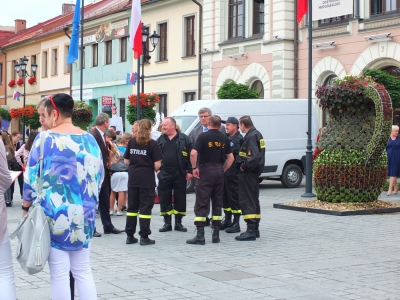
<point>7,282</point>
<point>60,263</point>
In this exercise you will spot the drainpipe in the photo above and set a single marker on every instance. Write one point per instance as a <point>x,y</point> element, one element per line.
<point>244,20</point>
<point>200,47</point>
<point>357,9</point>
<point>296,52</point>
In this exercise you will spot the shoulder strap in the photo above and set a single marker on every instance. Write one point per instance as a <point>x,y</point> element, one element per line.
<point>40,181</point>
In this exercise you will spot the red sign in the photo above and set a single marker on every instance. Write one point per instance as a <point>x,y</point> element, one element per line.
<point>106,100</point>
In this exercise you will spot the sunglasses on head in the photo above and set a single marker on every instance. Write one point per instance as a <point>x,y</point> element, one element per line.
<point>54,105</point>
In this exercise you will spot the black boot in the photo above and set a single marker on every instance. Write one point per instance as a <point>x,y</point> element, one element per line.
<point>249,235</point>
<point>130,239</point>
<point>215,234</point>
<point>235,227</point>
<point>144,241</point>
<point>178,224</point>
<point>167,224</point>
<point>227,222</point>
<point>257,229</point>
<point>199,238</point>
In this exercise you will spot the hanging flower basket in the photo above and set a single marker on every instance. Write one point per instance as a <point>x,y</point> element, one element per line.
<point>32,80</point>
<point>147,104</point>
<point>82,115</point>
<point>20,81</point>
<point>11,83</point>
<point>27,111</point>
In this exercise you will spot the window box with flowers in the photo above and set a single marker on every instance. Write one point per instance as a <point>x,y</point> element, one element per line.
<point>20,81</point>
<point>11,83</point>
<point>147,104</point>
<point>32,80</point>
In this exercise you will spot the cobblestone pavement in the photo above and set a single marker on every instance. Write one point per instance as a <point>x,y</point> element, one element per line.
<point>299,256</point>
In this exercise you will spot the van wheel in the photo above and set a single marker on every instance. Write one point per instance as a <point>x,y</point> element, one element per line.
<point>291,176</point>
<point>190,184</point>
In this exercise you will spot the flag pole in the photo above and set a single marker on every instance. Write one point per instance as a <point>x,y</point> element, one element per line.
<point>81,54</point>
<point>138,90</point>
<point>309,193</point>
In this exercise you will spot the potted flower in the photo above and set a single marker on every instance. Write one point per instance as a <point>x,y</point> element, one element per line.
<point>20,81</point>
<point>82,115</point>
<point>147,104</point>
<point>11,83</point>
<point>32,80</point>
<point>27,111</point>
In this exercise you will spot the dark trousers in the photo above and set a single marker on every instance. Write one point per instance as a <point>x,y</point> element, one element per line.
<point>231,194</point>
<point>140,204</point>
<point>21,185</point>
<point>209,186</point>
<point>249,191</point>
<point>172,179</point>
<point>104,204</point>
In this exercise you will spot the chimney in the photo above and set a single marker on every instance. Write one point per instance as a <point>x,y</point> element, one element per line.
<point>67,8</point>
<point>19,25</point>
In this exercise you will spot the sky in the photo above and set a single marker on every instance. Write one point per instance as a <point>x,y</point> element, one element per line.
<point>33,11</point>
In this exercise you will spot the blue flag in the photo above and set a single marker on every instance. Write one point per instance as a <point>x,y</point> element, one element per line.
<point>74,44</point>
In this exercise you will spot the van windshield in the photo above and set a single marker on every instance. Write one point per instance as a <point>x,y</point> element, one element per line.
<point>184,122</point>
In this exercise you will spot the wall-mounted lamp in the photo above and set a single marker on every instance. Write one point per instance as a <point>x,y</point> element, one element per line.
<point>237,55</point>
<point>324,45</point>
<point>381,37</point>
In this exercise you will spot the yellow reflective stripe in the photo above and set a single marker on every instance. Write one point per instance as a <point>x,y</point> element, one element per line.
<point>239,211</point>
<point>252,216</point>
<point>228,209</point>
<point>200,219</point>
<point>217,218</point>
<point>145,216</point>
<point>166,213</point>
<point>258,216</point>
<point>175,212</point>
<point>131,214</point>
<point>243,154</point>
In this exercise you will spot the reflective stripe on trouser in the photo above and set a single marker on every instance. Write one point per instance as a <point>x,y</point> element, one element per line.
<point>209,186</point>
<point>231,194</point>
<point>249,196</point>
<point>172,179</point>
<point>139,200</point>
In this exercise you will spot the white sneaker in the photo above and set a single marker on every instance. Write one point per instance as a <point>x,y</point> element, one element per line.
<point>120,213</point>
<point>111,213</point>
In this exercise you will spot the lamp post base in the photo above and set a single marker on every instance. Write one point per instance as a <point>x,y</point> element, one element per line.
<point>308,195</point>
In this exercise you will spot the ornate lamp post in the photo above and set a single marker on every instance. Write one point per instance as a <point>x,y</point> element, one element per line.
<point>22,67</point>
<point>154,39</point>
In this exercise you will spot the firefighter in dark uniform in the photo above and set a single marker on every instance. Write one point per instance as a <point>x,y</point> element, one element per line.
<point>231,186</point>
<point>215,157</point>
<point>250,163</point>
<point>175,170</point>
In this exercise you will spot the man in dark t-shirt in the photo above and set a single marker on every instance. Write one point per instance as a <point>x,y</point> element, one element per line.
<point>213,153</point>
<point>144,157</point>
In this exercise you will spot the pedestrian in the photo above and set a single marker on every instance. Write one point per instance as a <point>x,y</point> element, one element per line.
<point>15,136</point>
<point>10,155</point>
<point>204,114</point>
<point>102,124</point>
<point>113,129</point>
<point>134,128</point>
<point>144,157</point>
<point>72,163</point>
<point>231,204</point>
<point>175,170</point>
<point>25,149</point>
<point>7,281</point>
<point>250,163</point>
<point>211,157</point>
<point>393,154</point>
<point>40,109</point>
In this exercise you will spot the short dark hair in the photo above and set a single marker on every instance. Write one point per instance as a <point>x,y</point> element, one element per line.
<point>246,121</point>
<point>112,126</point>
<point>111,134</point>
<point>171,119</point>
<point>215,121</point>
<point>63,102</point>
<point>15,133</point>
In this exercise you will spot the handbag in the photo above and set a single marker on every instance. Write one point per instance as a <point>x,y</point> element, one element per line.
<point>33,231</point>
<point>119,167</point>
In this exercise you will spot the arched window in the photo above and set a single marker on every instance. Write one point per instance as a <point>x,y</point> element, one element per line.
<point>259,88</point>
<point>328,82</point>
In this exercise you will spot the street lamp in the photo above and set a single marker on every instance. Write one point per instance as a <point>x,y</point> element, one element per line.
<point>22,67</point>
<point>154,39</point>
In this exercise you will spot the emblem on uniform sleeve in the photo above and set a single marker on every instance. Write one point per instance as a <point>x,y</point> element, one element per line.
<point>262,144</point>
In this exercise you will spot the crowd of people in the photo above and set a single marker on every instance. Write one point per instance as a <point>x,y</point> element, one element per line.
<point>84,172</point>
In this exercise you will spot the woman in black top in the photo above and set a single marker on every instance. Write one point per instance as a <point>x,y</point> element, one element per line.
<point>143,157</point>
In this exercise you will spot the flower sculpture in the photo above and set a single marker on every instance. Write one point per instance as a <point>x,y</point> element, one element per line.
<point>350,161</point>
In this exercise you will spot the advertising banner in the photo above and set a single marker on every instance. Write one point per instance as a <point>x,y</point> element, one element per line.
<point>325,9</point>
<point>106,103</point>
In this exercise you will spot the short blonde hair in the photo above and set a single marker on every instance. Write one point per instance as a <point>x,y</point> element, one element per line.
<point>395,127</point>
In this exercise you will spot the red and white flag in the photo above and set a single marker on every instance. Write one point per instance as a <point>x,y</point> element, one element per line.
<point>301,9</point>
<point>136,29</point>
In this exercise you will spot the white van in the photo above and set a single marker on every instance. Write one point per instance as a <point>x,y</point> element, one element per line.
<point>282,122</point>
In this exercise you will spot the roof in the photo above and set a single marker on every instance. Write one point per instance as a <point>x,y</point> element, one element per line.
<point>57,24</point>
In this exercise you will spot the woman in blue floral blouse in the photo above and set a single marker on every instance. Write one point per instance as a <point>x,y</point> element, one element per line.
<point>72,176</point>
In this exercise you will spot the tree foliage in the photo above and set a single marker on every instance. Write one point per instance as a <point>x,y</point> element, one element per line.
<point>391,83</point>
<point>233,90</point>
